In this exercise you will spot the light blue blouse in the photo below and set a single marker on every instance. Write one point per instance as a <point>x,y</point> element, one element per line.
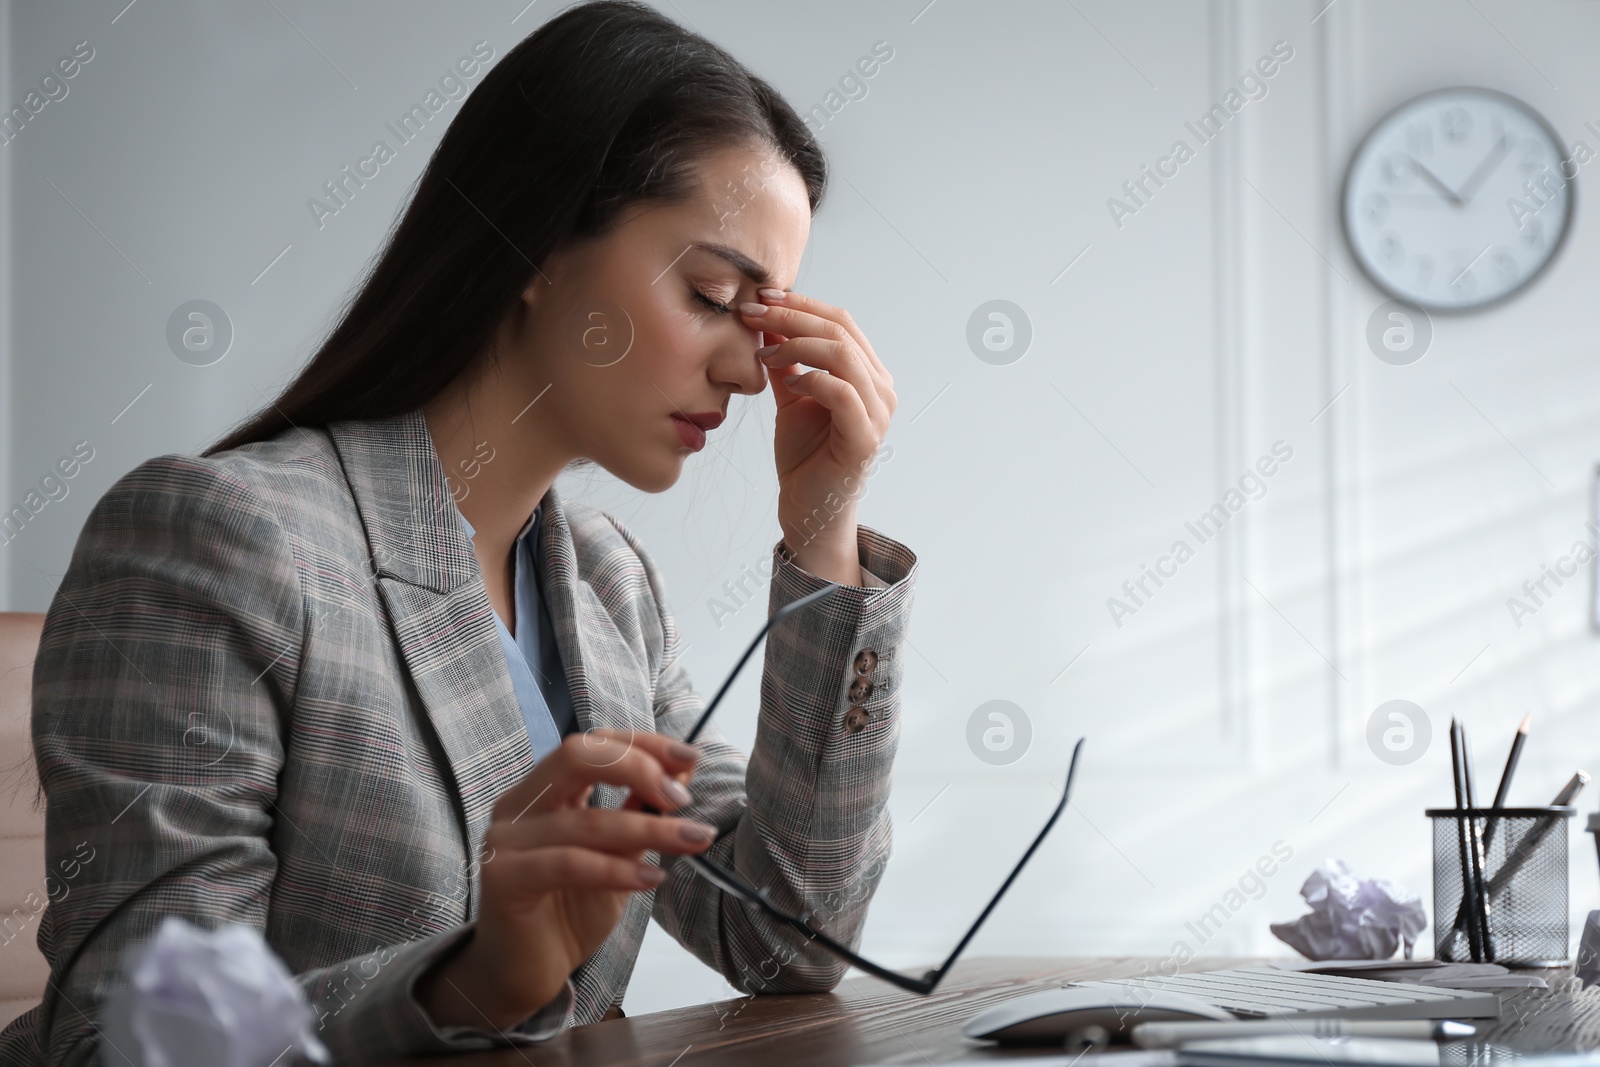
<point>532,653</point>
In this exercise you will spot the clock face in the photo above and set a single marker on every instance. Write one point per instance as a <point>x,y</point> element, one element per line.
<point>1458,199</point>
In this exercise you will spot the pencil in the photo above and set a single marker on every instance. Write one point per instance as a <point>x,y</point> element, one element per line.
<point>1480,859</point>
<point>1517,742</point>
<point>1500,793</point>
<point>1467,894</point>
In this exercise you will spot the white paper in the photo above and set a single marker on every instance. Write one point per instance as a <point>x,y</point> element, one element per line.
<point>1353,917</point>
<point>197,998</point>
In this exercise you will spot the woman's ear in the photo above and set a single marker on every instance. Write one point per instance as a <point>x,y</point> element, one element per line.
<point>530,295</point>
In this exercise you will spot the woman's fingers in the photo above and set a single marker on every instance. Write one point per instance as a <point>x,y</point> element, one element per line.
<point>568,867</point>
<point>633,802</point>
<point>840,360</point>
<point>645,763</point>
<point>831,343</point>
<point>789,298</point>
<point>844,405</point>
<point>620,833</point>
<point>827,338</point>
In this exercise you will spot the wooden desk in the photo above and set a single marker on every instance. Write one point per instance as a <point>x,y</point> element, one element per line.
<point>863,1021</point>
<point>868,1021</point>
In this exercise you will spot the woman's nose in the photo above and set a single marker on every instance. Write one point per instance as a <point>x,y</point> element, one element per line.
<point>742,369</point>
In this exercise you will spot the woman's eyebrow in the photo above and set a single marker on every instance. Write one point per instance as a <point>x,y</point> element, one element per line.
<point>747,266</point>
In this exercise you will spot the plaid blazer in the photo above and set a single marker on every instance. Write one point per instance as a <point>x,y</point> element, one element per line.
<point>270,691</point>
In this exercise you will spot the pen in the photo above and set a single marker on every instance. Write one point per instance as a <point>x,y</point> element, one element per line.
<point>1531,841</point>
<point>1570,791</point>
<point>1170,1035</point>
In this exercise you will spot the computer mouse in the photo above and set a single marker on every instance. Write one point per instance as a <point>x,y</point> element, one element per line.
<point>1051,1015</point>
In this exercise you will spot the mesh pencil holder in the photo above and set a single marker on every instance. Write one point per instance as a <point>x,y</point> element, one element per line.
<point>1525,874</point>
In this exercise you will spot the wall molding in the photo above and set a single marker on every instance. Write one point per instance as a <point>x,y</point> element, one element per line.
<point>1343,470</point>
<point>1236,705</point>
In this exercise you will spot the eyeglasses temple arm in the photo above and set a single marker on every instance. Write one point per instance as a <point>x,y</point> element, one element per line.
<point>786,610</point>
<point>935,976</point>
<point>802,923</point>
<point>922,985</point>
<point>930,980</point>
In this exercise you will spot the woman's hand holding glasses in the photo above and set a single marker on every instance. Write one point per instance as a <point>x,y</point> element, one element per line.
<point>557,874</point>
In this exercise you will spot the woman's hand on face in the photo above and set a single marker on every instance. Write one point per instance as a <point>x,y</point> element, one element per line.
<point>557,874</point>
<point>830,422</point>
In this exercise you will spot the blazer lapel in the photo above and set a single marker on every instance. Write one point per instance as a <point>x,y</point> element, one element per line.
<point>430,583</point>
<point>610,684</point>
<point>428,578</point>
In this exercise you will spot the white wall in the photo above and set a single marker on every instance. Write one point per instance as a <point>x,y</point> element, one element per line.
<point>1225,716</point>
<point>6,407</point>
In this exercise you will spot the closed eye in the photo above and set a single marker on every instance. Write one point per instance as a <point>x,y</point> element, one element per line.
<point>715,305</point>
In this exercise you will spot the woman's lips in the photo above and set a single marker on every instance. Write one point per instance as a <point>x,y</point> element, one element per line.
<point>692,427</point>
<point>691,435</point>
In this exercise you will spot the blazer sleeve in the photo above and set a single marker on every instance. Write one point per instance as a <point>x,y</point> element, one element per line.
<point>163,691</point>
<point>806,816</point>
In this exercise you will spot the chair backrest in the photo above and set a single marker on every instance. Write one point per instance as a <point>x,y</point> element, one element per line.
<point>23,894</point>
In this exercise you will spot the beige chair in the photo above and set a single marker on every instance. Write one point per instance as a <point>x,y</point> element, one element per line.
<point>22,884</point>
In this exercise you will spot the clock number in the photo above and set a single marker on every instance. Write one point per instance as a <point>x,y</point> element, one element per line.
<point>1455,123</point>
<point>1532,156</point>
<point>1376,208</point>
<point>1424,271</point>
<point>1393,250</point>
<point>1506,267</point>
<point>1397,170</point>
<point>1532,233</point>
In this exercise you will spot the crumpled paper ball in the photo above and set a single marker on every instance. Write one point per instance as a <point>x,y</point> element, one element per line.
<point>198,998</point>
<point>1353,918</point>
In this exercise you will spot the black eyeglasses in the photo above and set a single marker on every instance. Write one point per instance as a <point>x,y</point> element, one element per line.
<point>731,883</point>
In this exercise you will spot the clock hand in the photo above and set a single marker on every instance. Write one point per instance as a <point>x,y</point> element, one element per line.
<point>1428,175</point>
<point>1486,168</point>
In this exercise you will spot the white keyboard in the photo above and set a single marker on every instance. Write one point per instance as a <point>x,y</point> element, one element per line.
<point>1268,993</point>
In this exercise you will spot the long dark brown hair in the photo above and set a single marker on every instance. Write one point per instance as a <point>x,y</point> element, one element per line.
<point>606,105</point>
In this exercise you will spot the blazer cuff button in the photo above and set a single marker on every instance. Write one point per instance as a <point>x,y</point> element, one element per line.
<point>866,660</point>
<point>855,720</point>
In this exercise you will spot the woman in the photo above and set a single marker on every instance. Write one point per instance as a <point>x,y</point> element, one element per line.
<point>359,677</point>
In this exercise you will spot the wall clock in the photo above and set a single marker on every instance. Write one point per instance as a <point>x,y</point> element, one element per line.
<point>1458,199</point>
